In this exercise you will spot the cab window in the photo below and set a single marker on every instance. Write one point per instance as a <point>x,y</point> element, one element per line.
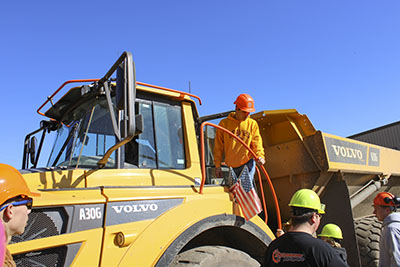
<point>160,145</point>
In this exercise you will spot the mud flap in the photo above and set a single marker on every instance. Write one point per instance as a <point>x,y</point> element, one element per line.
<point>339,211</point>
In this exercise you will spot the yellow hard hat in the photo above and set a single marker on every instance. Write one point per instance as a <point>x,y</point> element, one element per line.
<point>331,230</point>
<point>306,198</point>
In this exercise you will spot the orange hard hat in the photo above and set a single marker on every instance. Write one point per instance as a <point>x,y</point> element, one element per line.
<point>245,102</point>
<point>385,199</point>
<point>12,184</point>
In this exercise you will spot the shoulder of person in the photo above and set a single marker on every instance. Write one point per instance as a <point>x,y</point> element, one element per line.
<point>392,221</point>
<point>250,119</point>
<point>393,227</point>
<point>252,122</point>
<point>223,121</point>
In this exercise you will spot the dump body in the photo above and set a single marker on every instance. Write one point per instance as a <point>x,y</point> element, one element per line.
<point>345,173</point>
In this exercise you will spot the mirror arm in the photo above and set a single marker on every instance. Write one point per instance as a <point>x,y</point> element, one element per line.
<point>110,108</point>
<point>102,162</point>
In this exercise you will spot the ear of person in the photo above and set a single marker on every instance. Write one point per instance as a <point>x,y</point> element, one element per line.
<point>9,212</point>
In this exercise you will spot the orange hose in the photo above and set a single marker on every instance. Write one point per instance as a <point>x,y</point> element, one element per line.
<point>203,167</point>
<point>262,194</point>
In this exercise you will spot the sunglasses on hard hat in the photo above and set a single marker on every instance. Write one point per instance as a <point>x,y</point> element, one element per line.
<point>19,202</point>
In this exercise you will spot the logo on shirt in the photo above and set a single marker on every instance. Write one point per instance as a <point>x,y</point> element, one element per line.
<point>278,256</point>
<point>241,133</point>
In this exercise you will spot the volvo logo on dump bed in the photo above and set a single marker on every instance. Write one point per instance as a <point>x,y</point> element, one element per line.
<point>133,211</point>
<point>348,152</point>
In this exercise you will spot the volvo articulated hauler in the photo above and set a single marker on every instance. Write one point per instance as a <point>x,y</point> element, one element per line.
<point>130,181</point>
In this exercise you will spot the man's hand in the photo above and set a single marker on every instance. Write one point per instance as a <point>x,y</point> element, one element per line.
<point>261,160</point>
<point>218,172</point>
<point>279,232</point>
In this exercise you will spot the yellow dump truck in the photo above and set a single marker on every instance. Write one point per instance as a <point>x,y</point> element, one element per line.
<point>130,180</point>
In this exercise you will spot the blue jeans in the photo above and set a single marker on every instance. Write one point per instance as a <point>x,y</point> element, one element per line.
<point>250,165</point>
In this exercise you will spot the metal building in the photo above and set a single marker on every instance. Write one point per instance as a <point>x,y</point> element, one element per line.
<point>387,136</point>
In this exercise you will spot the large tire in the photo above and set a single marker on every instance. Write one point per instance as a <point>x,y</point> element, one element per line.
<point>368,233</point>
<point>213,256</point>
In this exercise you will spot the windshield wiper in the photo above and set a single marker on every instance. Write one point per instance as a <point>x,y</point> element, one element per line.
<point>71,133</point>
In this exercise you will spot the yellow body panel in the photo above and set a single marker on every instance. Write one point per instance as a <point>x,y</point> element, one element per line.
<point>376,159</point>
<point>152,237</point>
<point>90,241</point>
<point>158,236</point>
<point>61,197</point>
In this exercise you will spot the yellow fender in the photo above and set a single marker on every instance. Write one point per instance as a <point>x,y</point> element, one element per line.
<point>157,237</point>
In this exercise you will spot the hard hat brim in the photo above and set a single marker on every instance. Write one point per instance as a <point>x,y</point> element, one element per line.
<point>33,194</point>
<point>319,211</point>
<point>248,109</point>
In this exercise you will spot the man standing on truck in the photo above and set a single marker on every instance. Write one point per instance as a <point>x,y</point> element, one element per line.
<point>240,124</point>
<point>385,207</point>
<point>298,247</point>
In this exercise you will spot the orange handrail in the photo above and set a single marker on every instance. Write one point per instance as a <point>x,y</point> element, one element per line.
<point>170,90</point>
<point>96,80</point>
<point>203,168</point>
<point>58,90</point>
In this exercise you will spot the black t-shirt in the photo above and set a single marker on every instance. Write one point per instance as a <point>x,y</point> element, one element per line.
<point>342,253</point>
<point>301,249</point>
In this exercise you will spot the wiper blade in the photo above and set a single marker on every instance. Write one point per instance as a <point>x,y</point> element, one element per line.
<point>71,133</point>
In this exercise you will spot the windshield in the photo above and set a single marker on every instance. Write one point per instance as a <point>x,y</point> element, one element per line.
<point>85,140</point>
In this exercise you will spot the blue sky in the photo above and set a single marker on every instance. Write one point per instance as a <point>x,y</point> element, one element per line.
<point>336,61</point>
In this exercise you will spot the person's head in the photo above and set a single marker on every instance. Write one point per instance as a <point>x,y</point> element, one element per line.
<point>384,204</point>
<point>332,234</point>
<point>15,200</point>
<point>244,105</point>
<point>306,209</point>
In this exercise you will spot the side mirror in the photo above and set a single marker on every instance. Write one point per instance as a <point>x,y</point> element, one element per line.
<point>125,97</point>
<point>120,87</point>
<point>32,149</point>
<point>31,152</point>
<point>126,92</point>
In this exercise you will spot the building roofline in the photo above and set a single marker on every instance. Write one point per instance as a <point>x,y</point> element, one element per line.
<point>375,129</point>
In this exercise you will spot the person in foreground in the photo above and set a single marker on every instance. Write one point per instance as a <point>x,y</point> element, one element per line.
<point>16,203</point>
<point>299,247</point>
<point>385,207</point>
